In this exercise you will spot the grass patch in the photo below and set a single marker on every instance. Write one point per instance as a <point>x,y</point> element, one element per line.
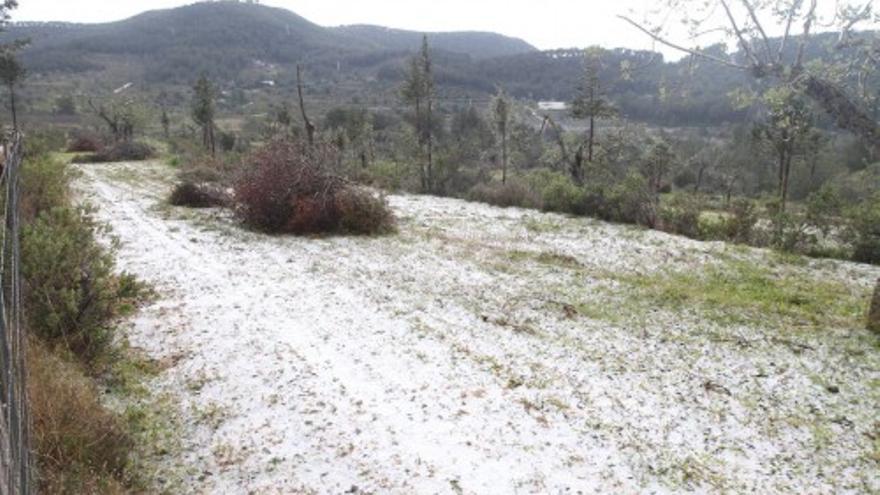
<point>738,292</point>
<point>544,258</point>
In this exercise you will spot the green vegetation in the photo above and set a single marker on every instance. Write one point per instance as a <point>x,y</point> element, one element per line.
<point>741,293</point>
<point>74,296</point>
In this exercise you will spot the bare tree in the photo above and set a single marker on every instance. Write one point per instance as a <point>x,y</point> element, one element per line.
<point>501,114</point>
<point>590,102</point>
<point>203,112</point>
<point>418,90</point>
<point>784,59</point>
<point>310,128</point>
<point>122,116</point>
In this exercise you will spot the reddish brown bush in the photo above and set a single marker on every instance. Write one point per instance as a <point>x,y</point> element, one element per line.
<point>85,143</point>
<point>194,195</point>
<point>120,152</point>
<point>290,187</point>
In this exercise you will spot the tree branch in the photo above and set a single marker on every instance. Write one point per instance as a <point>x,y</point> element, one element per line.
<point>792,13</point>
<point>744,44</point>
<point>751,8</point>
<point>680,48</point>
<point>808,25</point>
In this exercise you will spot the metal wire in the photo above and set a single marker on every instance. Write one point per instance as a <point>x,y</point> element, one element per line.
<point>16,470</point>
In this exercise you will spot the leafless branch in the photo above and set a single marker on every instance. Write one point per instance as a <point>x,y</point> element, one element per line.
<point>792,13</point>
<point>743,42</point>
<point>680,48</point>
<point>751,9</point>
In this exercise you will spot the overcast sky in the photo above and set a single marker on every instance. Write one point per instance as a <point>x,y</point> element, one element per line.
<point>543,23</point>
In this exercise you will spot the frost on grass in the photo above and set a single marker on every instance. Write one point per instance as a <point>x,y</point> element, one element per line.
<point>486,350</point>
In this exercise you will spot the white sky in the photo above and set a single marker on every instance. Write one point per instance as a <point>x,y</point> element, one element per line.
<point>543,23</point>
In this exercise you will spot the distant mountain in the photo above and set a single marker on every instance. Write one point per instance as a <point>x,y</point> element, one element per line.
<point>474,43</point>
<point>241,46</point>
<point>228,38</point>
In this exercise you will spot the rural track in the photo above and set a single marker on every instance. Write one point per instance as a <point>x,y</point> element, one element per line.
<point>429,362</point>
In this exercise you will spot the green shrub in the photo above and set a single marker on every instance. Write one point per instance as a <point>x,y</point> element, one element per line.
<point>680,214</point>
<point>557,192</point>
<point>45,185</point>
<point>505,195</point>
<point>564,196</point>
<point>740,225</point>
<point>632,201</point>
<point>44,141</point>
<point>70,289</point>
<point>864,230</point>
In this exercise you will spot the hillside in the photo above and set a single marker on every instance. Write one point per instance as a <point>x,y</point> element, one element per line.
<point>240,45</point>
<point>476,44</point>
<point>226,39</point>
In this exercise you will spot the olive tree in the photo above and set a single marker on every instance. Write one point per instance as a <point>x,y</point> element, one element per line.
<point>837,86</point>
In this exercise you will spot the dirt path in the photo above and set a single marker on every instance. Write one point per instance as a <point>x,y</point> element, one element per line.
<point>479,351</point>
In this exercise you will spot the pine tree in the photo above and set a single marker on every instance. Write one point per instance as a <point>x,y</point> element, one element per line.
<point>12,73</point>
<point>418,90</point>
<point>203,112</point>
<point>591,102</point>
<point>501,114</point>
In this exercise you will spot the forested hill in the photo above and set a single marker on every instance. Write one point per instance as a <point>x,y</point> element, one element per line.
<point>226,38</point>
<point>240,45</point>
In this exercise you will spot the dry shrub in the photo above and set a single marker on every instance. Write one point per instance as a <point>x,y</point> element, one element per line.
<point>126,151</point>
<point>290,187</point>
<point>85,143</point>
<point>362,212</point>
<point>506,195</point>
<point>80,446</point>
<point>192,195</point>
<point>206,169</point>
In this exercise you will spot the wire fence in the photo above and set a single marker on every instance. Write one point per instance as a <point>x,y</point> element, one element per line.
<point>16,473</point>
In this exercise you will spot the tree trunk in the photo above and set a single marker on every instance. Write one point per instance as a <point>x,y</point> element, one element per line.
<point>310,129</point>
<point>592,138</point>
<point>12,107</point>
<point>785,177</point>
<point>874,311</point>
<point>780,186</point>
<point>699,182</point>
<point>577,166</point>
<point>504,156</point>
<point>430,137</point>
<point>420,138</point>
